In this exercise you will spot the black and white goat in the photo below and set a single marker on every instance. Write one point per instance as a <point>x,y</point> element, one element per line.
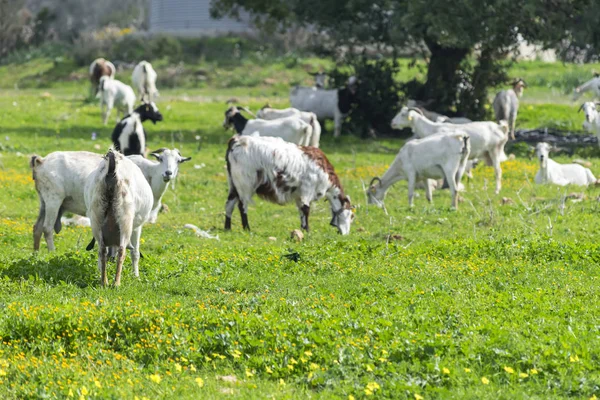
<point>129,136</point>
<point>119,201</point>
<point>332,104</point>
<point>282,172</point>
<point>291,129</point>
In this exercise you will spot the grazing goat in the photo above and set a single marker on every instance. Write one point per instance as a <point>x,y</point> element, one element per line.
<point>159,174</point>
<point>269,113</point>
<point>326,104</point>
<point>114,93</point>
<point>506,105</point>
<point>59,181</point>
<point>487,138</point>
<point>99,68</point>
<point>291,129</point>
<point>282,172</point>
<point>129,136</point>
<point>437,117</point>
<point>593,85</point>
<point>119,201</point>
<point>560,174</point>
<point>434,157</point>
<point>144,81</point>
<point>592,121</point>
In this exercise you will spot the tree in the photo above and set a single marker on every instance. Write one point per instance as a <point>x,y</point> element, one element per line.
<point>466,41</point>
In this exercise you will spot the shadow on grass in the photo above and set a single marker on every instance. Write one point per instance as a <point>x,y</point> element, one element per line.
<point>73,268</point>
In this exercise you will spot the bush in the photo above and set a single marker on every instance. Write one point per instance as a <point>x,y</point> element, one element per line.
<point>378,93</point>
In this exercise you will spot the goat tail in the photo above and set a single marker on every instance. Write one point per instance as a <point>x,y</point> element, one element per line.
<point>504,126</point>
<point>34,162</point>
<point>466,145</point>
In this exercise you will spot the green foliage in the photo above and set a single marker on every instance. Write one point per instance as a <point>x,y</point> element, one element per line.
<point>378,94</point>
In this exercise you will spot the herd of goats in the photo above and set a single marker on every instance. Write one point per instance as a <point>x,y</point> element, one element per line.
<point>275,155</point>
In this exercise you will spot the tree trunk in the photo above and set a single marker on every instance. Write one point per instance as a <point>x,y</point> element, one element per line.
<point>443,80</point>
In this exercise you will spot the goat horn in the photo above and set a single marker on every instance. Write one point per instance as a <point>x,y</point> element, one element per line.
<point>373,181</point>
<point>416,110</point>
<point>248,111</point>
<point>159,150</point>
<point>581,108</point>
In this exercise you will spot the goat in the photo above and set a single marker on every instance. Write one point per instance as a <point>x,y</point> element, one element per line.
<point>269,113</point>
<point>326,104</point>
<point>487,138</point>
<point>593,85</point>
<point>436,117</point>
<point>291,129</point>
<point>592,121</point>
<point>159,174</point>
<point>560,174</point>
<point>115,93</point>
<point>143,78</point>
<point>119,201</point>
<point>438,156</point>
<point>59,181</point>
<point>99,68</point>
<point>129,136</point>
<point>282,172</point>
<point>506,105</point>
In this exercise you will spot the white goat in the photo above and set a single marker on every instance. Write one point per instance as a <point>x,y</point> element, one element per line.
<point>270,114</point>
<point>487,138</point>
<point>144,81</point>
<point>282,172</point>
<point>114,93</point>
<point>119,201</point>
<point>326,104</point>
<point>437,117</point>
<point>506,105</point>
<point>320,79</point>
<point>560,174</point>
<point>434,157</point>
<point>591,85</point>
<point>159,174</point>
<point>290,129</point>
<point>592,120</point>
<point>59,180</point>
<point>129,136</point>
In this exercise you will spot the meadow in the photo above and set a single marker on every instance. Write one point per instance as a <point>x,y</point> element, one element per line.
<point>496,300</point>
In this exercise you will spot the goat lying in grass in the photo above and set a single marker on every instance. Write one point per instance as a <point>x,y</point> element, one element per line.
<point>560,174</point>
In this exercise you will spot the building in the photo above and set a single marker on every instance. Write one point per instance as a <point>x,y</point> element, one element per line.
<point>191,18</point>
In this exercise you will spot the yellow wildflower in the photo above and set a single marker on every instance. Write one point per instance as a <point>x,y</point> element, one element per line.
<point>509,370</point>
<point>446,371</point>
<point>467,370</point>
<point>269,370</point>
<point>485,380</point>
<point>155,378</point>
<point>97,383</point>
<point>84,391</point>
<point>574,359</point>
<point>418,397</point>
<point>199,381</point>
<point>523,375</point>
<point>177,367</point>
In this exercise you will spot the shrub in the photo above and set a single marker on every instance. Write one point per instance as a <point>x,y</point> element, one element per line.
<point>378,93</point>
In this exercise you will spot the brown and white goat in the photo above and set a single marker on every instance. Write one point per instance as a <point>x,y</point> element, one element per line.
<point>99,68</point>
<point>282,172</point>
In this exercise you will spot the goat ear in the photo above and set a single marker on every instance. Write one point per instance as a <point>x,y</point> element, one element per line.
<point>157,156</point>
<point>184,159</point>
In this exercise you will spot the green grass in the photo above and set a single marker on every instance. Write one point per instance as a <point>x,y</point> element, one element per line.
<point>490,301</point>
